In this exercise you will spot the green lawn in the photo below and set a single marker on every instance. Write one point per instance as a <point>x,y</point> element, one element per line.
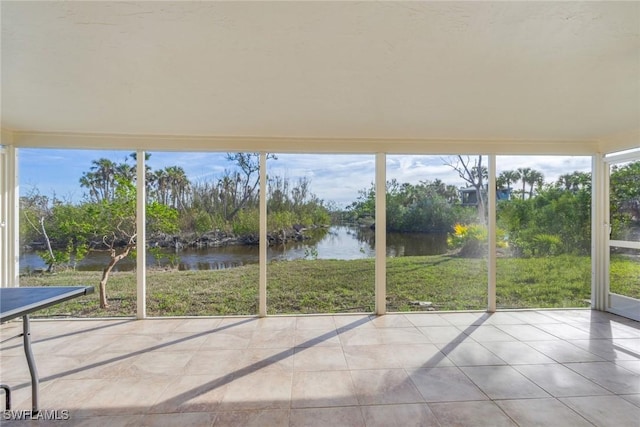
<point>330,286</point>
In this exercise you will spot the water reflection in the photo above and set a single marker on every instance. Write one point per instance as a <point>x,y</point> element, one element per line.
<point>336,242</point>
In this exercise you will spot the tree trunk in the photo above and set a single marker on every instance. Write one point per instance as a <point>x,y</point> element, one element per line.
<point>51,265</point>
<point>107,271</point>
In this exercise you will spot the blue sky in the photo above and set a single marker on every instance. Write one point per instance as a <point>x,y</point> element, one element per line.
<point>336,178</point>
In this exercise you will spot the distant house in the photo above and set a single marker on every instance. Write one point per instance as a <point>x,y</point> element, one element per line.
<point>469,195</point>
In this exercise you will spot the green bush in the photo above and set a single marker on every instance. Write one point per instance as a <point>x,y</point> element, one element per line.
<point>246,221</point>
<point>472,239</point>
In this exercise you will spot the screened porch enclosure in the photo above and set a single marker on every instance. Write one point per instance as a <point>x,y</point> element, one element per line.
<point>543,237</point>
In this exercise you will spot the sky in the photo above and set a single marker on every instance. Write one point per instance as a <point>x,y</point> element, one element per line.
<point>336,178</point>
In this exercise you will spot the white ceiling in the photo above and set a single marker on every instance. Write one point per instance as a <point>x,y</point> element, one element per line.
<point>404,70</point>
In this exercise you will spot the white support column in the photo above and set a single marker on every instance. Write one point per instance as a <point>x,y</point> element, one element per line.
<point>141,238</point>
<point>262,289</point>
<point>10,233</point>
<point>5,223</point>
<point>599,233</point>
<point>381,234</point>
<point>491,233</point>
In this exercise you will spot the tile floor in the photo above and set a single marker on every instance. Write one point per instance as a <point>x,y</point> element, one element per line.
<point>543,368</point>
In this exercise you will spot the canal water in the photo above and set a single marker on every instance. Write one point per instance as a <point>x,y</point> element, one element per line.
<point>336,242</point>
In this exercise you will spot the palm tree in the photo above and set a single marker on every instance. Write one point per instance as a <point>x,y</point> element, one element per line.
<point>178,183</point>
<point>100,180</point>
<point>525,176</point>
<point>536,178</point>
<point>160,181</point>
<point>509,177</point>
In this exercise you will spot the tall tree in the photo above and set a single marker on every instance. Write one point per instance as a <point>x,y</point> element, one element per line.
<point>474,173</point>
<point>535,178</point>
<point>525,176</point>
<point>246,179</point>
<point>508,177</point>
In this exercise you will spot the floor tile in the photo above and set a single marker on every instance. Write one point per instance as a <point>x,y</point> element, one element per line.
<point>180,341</point>
<point>420,356</point>
<point>500,318</point>
<point>564,352</point>
<point>230,340</point>
<point>265,360</point>
<point>560,381</point>
<point>316,338</point>
<point>63,394</point>
<point>157,326</point>
<point>470,354</point>
<point>235,324</point>
<point>609,375</point>
<point>606,349</point>
<point>138,343</point>
<point>444,385</point>
<point>477,414</point>
<point>322,417</point>
<point>533,317</point>
<point>565,331</point>
<point>348,322</point>
<point>277,323</point>
<point>516,353</point>
<point>426,319</point>
<point>371,356</point>
<point>85,344</point>
<point>191,393</point>
<point>608,330</point>
<point>272,338</point>
<point>564,316</point>
<point>197,325</point>
<point>325,323</point>
<point>541,412</point>
<point>117,396</point>
<point>391,321</point>
<point>605,411</point>
<point>384,386</point>
<point>631,344</point>
<point>487,333</point>
<point>503,382</point>
<point>179,420</point>
<point>159,364</point>
<point>319,359</point>
<point>526,333</point>
<point>321,389</point>
<point>213,362</point>
<point>261,418</point>
<point>633,398</point>
<point>258,390</point>
<point>403,415</point>
<point>465,319</point>
<point>444,334</point>
<point>111,421</point>
<point>99,365</point>
<point>382,336</point>
<point>631,365</point>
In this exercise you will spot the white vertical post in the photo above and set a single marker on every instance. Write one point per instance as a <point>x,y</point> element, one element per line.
<point>492,238</point>
<point>12,226</point>
<point>263,244</point>
<point>381,234</point>
<point>9,227</point>
<point>141,238</point>
<point>4,241</point>
<point>599,233</point>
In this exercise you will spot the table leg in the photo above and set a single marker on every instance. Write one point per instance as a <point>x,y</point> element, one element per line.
<point>26,335</point>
